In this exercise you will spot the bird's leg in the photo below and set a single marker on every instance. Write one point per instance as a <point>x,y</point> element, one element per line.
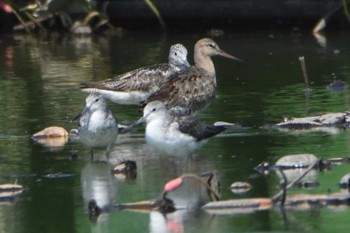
<point>108,151</point>
<point>92,154</point>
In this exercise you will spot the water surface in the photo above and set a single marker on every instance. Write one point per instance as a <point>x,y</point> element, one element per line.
<point>39,79</point>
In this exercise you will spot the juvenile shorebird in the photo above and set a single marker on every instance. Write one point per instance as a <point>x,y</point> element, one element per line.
<point>135,86</point>
<point>176,135</point>
<point>97,126</point>
<point>192,89</point>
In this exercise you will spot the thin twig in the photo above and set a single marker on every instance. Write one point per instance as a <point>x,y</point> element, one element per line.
<point>31,24</point>
<point>20,19</point>
<point>35,21</point>
<point>291,184</point>
<point>284,186</point>
<point>303,68</point>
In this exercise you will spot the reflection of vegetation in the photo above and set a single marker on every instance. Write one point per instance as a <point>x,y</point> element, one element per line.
<point>76,16</point>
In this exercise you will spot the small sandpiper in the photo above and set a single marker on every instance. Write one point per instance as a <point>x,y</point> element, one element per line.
<point>135,86</point>
<point>176,135</point>
<point>97,126</point>
<point>194,88</point>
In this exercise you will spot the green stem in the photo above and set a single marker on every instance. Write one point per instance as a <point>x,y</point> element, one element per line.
<point>156,12</point>
<point>346,9</point>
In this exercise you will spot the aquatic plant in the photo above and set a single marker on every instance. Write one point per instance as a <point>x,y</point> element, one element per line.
<point>346,9</point>
<point>75,16</point>
<point>156,12</point>
<point>78,16</point>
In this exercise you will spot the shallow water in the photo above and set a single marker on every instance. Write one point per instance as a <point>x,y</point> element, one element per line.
<point>39,87</point>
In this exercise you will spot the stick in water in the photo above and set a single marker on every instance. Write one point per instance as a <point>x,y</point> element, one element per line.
<point>303,67</point>
<point>291,184</point>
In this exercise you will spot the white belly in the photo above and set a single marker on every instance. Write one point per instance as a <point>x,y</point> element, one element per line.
<point>128,98</point>
<point>99,139</point>
<point>170,140</point>
<point>98,132</point>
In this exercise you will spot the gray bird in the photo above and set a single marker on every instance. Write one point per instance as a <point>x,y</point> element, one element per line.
<point>176,135</point>
<point>98,127</point>
<point>135,86</point>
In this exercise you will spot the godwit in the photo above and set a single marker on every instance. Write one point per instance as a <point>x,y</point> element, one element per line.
<point>194,88</point>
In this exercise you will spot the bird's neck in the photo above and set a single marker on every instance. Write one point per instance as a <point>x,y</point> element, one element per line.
<point>204,63</point>
<point>174,67</point>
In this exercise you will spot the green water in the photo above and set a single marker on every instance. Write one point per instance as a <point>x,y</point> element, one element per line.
<point>39,80</point>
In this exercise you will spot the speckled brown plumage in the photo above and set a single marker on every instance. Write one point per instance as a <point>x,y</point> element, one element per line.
<point>192,89</point>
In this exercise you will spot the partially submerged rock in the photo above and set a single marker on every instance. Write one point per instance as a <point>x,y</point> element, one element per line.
<point>58,175</point>
<point>300,201</point>
<point>307,201</point>
<point>296,161</point>
<point>337,85</point>
<point>10,187</point>
<point>290,167</point>
<point>123,129</point>
<point>236,206</point>
<point>52,142</point>
<point>53,136</point>
<point>345,182</point>
<point>340,120</point>
<point>51,132</point>
<point>8,192</point>
<point>240,187</point>
<point>300,161</point>
<point>74,135</point>
<point>125,170</point>
<point>337,199</point>
<point>138,206</point>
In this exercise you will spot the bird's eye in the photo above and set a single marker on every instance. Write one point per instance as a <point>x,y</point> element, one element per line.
<point>154,109</point>
<point>211,45</point>
<point>175,54</point>
<point>96,100</point>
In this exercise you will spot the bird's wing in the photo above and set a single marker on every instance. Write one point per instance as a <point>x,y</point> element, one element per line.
<point>142,79</point>
<point>111,117</point>
<point>189,125</point>
<point>187,89</point>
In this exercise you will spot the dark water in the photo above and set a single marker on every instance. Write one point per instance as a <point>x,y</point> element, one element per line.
<point>39,87</point>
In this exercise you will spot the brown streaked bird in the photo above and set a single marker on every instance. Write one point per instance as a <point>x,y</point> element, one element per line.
<point>192,89</point>
<point>135,86</point>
